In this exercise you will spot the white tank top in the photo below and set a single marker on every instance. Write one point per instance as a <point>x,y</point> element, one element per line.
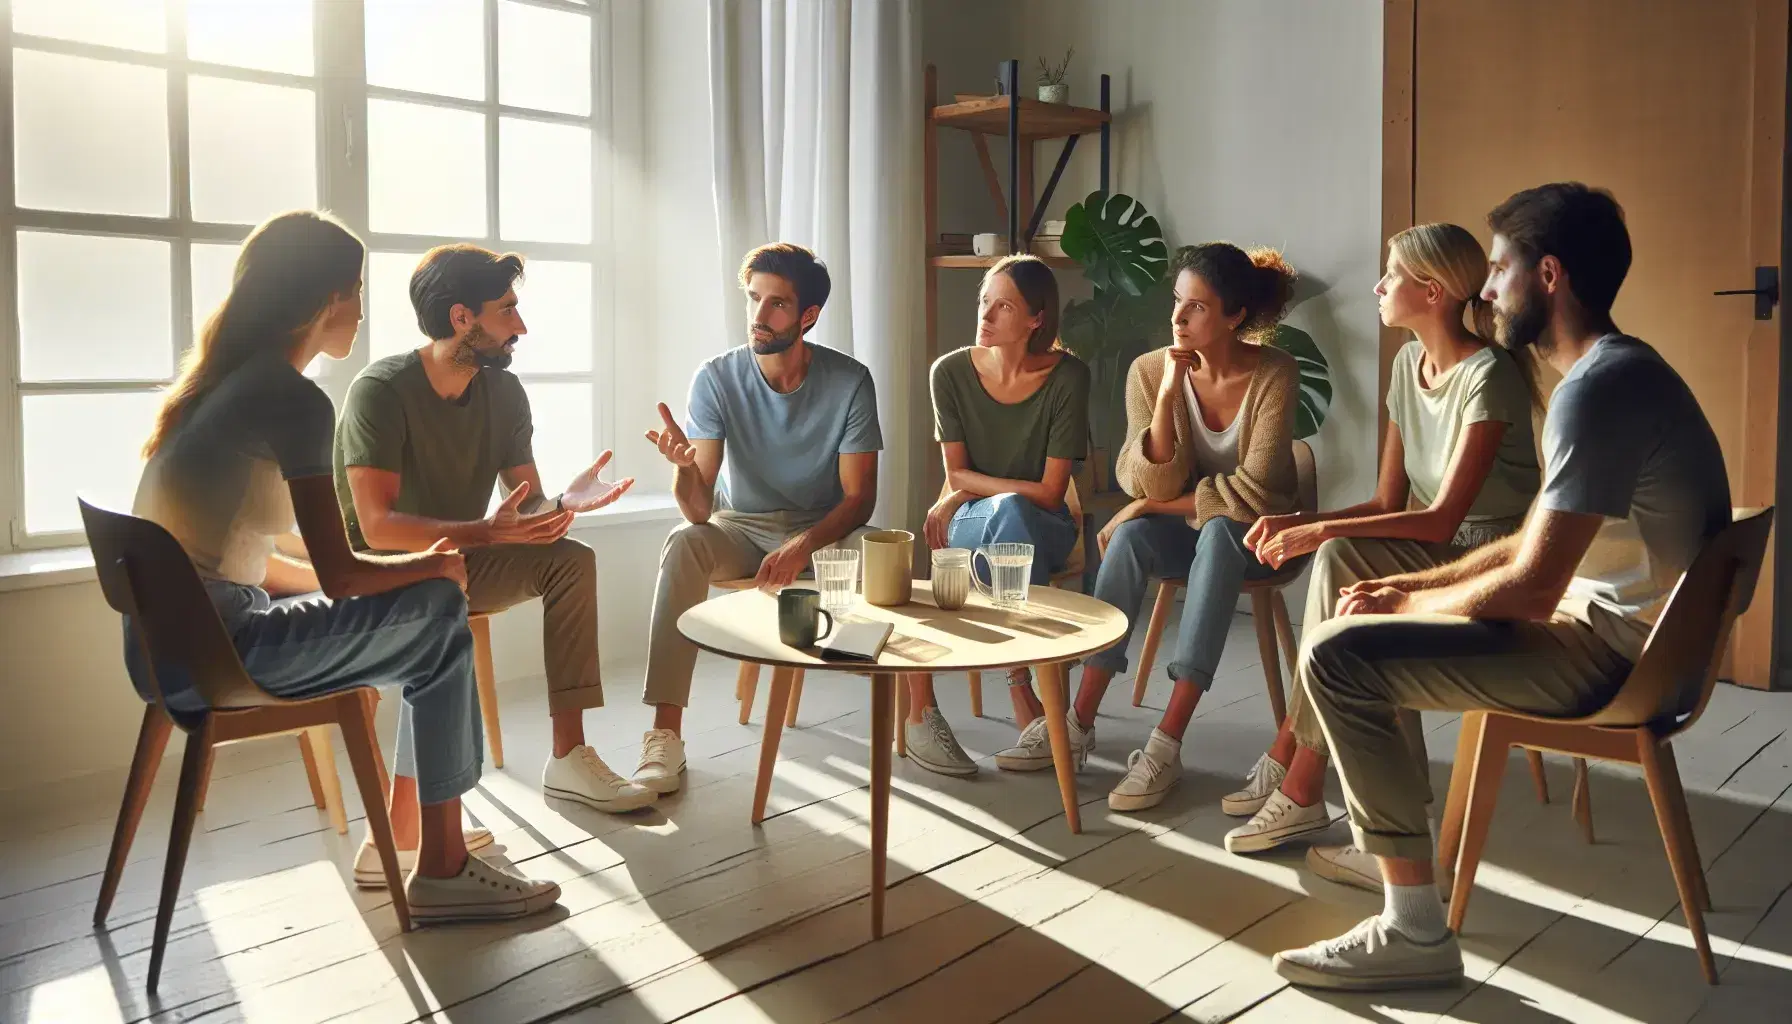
<point>1216,451</point>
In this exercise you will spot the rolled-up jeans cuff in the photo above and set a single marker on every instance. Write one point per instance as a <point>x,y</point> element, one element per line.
<point>1112,661</point>
<point>1180,674</point>
<point>1388,844</point>
<point>437,791</point>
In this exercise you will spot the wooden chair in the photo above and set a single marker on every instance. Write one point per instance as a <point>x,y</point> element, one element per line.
<point>1663,696</point>
<point>747,682</point>
<point>146,575</point>
<point>1269,611</point>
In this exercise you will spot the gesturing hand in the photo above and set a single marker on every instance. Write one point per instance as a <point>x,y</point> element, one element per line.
<point>672,443</point>
<point>784,565</point>
<point>589,490</point>
<point>509,526</point>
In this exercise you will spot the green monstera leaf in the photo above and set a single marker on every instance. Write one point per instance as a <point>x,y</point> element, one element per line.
<point>1315,379</point>
<point>1118,243</point>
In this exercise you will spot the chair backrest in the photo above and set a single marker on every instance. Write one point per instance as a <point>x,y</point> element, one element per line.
<point>1673,678</point>
<point>1306,476</point>
<point>146,574</point>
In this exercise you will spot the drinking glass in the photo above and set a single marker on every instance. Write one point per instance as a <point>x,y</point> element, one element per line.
<point>1010,569</point>
<point>837,577</point>
<point>951,578</point>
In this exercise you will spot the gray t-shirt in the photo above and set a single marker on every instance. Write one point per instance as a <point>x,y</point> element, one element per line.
<point>1626,439</point>
<point>218,481</point>
<point>1486,386</point>
<point>782,452</point>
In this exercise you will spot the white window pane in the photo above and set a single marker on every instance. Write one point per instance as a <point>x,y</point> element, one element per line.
<point>544,181</point>
<point>273,35</point>
<point>82,445</point>
<point>128,24</point>
<point>89,135</point>
<point>254,149</point>
<point>406,41</point>
<point>391,322</point>
<point>544,59</point>
<point>563,445</point>
<point>426,170</point>
<point>555,301</point>
<point>94,308</point>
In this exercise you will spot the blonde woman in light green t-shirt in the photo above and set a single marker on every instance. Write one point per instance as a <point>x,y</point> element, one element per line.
<point>1458,469</point>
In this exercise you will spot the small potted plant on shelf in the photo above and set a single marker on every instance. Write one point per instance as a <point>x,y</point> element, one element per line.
<point>1052,87</point>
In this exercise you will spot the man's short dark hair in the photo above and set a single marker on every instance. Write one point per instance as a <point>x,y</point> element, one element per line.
<point>1581,226</point>
<point>793,263</point>
<point>461,274</point>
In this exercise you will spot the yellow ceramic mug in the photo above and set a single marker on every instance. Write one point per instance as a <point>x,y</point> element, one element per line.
<point>888,566</point>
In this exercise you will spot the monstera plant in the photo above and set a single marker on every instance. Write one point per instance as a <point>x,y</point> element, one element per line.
<point>1124,256</point>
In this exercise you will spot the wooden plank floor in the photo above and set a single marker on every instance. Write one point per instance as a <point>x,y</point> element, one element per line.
<point>997,912</point>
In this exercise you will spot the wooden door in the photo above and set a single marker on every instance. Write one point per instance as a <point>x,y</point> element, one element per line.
<point>1679,109</point>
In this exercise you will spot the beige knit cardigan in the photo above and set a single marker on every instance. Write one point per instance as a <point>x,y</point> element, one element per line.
<point>1264,483</point>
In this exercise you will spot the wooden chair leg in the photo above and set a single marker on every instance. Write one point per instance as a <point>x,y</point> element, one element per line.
<point>311,779</point>
<point>1264,620</point>
<point>324,754</point>
<point>1462,775</point>
<point>1538,779</point>
<point>355,718</point>
<point>1667,796</point>
<point>902,702</point>
<point>194,767</point>
<point>1581,804</point>
<point>486,676</point>
<point>977,694</point>
<point>796,696</point>
<point>744,685</point>
<point>1671,773</point>
<point>882,725</point>
<point>776,704</point>
<point>1491,748</point>
<point>152,740</point>
<point>1154,634</point>
<point>1054,694</point>
<point>370,700</point>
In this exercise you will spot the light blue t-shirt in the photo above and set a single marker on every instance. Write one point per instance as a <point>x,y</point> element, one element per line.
<point>1626,440</point>
<point>782,452</point>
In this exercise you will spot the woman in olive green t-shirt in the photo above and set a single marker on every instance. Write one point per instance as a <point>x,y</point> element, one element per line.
<point>1011,414</point>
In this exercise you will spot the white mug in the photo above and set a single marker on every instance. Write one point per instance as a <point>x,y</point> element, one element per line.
<point>989,244</point>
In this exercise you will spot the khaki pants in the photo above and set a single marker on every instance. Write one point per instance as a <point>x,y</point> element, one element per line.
<point>728,547</point>
<point>1360,671</point>
<point>1337,564</point>
<point>564,575</point>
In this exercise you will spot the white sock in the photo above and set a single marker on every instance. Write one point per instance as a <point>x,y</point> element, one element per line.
<point>1163,748</point>
<point>1414,911</point>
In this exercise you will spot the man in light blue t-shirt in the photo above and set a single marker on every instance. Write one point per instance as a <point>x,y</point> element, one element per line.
<point>777,459</point>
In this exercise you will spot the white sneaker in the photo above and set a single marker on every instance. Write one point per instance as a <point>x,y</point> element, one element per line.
<point>481,892</point>
<point>1150,773</point>
<point>1279,821</point>
<point>1034,749</point>
<point>662,762</point>
<point>371,874</point>
<point>1349,865</point>
<point>1371,958</point>
<point>584,777</point>
<point>932,745</point>
<point>1265,778</point>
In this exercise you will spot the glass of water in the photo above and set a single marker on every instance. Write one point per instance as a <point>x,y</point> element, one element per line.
<point>837,577</point>
<point>1010,569</point>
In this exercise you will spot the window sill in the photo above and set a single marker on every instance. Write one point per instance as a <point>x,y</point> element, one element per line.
<point>55,567</point>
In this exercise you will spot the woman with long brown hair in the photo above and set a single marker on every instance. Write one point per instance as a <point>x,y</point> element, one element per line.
<point>1458,470</point>
<point>1011,414</point>
<point>240,454</point>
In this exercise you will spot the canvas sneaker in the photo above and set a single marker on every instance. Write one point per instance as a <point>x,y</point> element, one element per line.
<point>1371,957</point>
<point>582,776</point>
<point>1280,820</point>
<point>481,892</point>
<point>662,762</point>
<point>1150,773</point>
<point>1033,751</point>
<point>1265,778</point>
<point>932,745</point>
<point>370,874</point>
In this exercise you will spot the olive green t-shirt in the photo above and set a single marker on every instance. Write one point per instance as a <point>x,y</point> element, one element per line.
<point>1012,442</point>
<point>447,454</point>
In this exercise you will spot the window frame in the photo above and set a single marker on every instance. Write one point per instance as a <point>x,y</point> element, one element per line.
<point>341,92</point>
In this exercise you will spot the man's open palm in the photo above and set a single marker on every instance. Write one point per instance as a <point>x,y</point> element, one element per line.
<point>672,443</point>
<point>589,490</point>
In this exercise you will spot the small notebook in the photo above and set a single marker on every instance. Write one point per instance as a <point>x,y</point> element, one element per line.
<point>855,641</point>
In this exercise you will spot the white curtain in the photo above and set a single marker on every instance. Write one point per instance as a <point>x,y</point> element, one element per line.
<point>815,111</point>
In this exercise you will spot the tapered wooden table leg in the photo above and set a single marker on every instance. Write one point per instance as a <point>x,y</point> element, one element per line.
<point>883,725</point>
<point>1053,694</point>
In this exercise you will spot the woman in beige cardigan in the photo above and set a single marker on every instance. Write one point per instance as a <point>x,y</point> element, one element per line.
<point>1209,449</point>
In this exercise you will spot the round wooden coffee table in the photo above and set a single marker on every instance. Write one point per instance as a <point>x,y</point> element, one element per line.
<point>1056,627</point>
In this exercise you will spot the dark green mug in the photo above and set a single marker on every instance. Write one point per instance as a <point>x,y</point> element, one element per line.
<point>797,611</point>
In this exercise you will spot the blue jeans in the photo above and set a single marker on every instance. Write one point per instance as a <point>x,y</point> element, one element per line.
<point>1215,562</point>
<point>415,637</point>
<point>1012,519</point>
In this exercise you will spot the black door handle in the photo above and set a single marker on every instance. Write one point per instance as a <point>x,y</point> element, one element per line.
<point>1766,291</point>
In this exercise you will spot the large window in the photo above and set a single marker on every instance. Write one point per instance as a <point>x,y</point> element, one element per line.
<point>147,137</point>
